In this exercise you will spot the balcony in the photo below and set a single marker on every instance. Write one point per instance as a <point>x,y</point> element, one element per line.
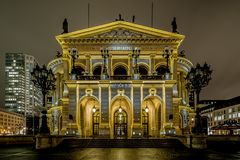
<point>153,77</point>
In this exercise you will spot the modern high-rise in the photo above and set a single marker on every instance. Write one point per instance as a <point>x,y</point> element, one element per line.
<point>20,94</point>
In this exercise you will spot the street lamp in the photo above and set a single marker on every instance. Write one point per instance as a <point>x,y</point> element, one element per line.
<point>167,53</point>
<point>43,79</point>
<point>196,79</point>
<point>94,109</point>
<point>120,109</point>
<point>146,109</point>
<point>105,55</point>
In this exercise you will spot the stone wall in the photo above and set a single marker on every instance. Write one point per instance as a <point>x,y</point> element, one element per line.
<point>16,140</point>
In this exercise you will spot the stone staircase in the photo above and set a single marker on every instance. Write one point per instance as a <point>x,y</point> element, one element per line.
<point>121,143</point>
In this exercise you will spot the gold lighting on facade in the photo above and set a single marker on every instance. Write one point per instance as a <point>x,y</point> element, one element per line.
<point>110,75</point>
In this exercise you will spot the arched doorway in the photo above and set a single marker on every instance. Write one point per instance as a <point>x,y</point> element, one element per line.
<point>120,124</point>
<point>121,120</point>
<point>88,116</point>
<point>152,122</point>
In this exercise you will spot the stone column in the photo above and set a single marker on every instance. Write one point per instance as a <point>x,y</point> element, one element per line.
<point>65,104</point>
<point>109,63</point>
<point>152,63</point>
<point>163,111</point>
<point>78,111</point>
<point>173,62</point>
<point>61,86</point>
<point>130,63</point>
<point>176,120</point>
<point>65,51</point>
<point>57,95</point>
<point>179,83</point>
<point>88,63</point>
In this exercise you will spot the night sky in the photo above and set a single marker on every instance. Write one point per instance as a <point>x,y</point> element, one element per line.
<point>211,27</point>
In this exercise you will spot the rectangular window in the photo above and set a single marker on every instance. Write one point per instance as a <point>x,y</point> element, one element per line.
<point>230,110</point>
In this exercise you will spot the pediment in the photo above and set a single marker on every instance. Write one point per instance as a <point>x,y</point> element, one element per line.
<point>123,33</point>
<point>120,30</point>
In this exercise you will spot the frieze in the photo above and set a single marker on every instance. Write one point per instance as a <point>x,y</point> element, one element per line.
<point>98,47</point>
<point>119,40</point>
<point>121,85</point>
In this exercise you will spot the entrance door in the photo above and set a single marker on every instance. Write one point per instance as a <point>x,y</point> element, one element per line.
<point>145,124</point>
<point>96,123</point>
<point>120,124</point>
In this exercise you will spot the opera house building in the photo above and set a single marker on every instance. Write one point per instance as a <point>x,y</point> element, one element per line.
<point>120,80</point>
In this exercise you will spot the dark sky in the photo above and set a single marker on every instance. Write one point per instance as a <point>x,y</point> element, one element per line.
<point>211,27</point>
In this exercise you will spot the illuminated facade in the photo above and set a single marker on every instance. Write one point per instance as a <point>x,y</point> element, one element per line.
<point>118,86</point>
<point>223,117</point>
<point>11,123</point>
<point>20,94</point>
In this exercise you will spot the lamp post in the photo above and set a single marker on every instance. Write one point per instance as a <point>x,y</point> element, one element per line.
<point>135,55</point>
<point>74,54</point>
<point>105,55</point>
<point>167,53</point>
<point>43,79</point>
<point>196,79</point>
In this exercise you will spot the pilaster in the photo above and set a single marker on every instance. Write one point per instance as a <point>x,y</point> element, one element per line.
<point>65,104</point>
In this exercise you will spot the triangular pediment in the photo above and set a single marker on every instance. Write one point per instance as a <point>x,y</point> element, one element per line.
<point>120,30</point>
<point>123,33</point>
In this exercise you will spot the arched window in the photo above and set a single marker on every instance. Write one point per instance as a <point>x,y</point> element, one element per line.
<point>120,70</point>
<point>161,70</point>
<point>79,70</point>
<point>97,70</point>
<point>143,70</point>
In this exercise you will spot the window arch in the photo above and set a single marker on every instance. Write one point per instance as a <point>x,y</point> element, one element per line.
<point>120,71</point>
<point>161,70</point>
<point>79,70</point>
<point>143,70</point>
<point>97,70</point>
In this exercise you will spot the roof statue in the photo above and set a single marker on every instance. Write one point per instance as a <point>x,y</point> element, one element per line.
<point>65,26</point>
<point>174,25</point>
<point>120,18</point>
<point>133,19</point>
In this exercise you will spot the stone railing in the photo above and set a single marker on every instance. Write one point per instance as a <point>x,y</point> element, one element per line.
<point>153,77</point>
<point>185,62</point>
